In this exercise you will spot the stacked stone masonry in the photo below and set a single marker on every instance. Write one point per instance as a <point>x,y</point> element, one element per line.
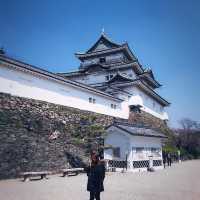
<point>27,127</point>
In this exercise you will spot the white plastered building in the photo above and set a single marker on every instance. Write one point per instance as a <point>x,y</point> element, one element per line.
<point>133,148</point>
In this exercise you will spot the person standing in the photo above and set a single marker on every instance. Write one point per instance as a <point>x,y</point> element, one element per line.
<point>164,158</point>
<point>96,175</point>
<point>169,159</point>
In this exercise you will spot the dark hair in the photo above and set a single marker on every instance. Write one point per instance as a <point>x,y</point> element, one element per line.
<point>94,154</point>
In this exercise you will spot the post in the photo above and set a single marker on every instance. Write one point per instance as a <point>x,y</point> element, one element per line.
<point>126,152</point>
<point>179,156</point>
<point>126,161</point>
<point>150,162</point>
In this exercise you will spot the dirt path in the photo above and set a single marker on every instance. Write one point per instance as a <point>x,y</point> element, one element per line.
<point>180,182</point>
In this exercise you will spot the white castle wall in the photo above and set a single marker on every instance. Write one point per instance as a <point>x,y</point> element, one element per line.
<point>29,85</point>
<point>149,104</point>
<point>116,138</point>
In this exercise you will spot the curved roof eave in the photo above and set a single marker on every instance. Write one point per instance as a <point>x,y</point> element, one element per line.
<point>102,37</point>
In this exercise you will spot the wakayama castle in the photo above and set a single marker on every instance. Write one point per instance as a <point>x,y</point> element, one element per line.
<point>114,69</point>
<point>110,81</point>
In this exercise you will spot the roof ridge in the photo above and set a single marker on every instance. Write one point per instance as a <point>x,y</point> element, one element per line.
<point>153,133</point>
<point>103,36</point>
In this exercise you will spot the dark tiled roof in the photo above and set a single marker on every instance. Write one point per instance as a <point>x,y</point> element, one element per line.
<point>147,77</point>
<point>139,130</point>
<point>103,38</point>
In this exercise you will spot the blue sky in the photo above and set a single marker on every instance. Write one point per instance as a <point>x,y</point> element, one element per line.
<point>164,35</point>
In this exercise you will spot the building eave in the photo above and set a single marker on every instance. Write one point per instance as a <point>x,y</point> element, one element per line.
<point>128,49</point>
<point>109,67</point>
<point>154,133</point>
<point>74,73</point>
<point>81,56</point>
<point>125,48</point>
<point>154,94</point>
<point>152,82</point>
<point>102,37</point>
<point>146,89</point>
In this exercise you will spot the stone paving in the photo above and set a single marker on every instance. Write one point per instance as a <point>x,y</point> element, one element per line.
<point>180,182</point>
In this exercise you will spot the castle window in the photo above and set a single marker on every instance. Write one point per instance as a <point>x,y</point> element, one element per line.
<point>92,100</point>
<point>113,106</point>
<point>102,60</point>
<point>116,152</point>
<point>154,150</point>
<point>139,149</point>
<point>108,77</point>
<point>135,108</point>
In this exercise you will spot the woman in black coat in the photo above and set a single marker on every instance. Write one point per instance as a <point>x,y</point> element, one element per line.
<point>96,175</point>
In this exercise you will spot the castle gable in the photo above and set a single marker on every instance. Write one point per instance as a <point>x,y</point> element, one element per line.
<point>118,78</point>
<point>103,43</point>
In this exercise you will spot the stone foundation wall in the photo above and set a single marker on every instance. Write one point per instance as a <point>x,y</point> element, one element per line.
<point>27,129</point>
<point>146,119</point>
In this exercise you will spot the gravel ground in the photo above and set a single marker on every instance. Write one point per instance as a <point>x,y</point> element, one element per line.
<point>180,182</point>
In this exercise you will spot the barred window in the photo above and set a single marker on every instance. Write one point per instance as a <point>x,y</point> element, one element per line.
<point>156,151</point>
<point>139,149</point>
<point>153,150</point>
<point>113,106</point>
<point>108,77</point>
<point>102,60</point>
<point>116,152</point>
<point>92,100</point>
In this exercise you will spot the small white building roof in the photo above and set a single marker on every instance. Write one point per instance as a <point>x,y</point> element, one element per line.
<point>135,130</point>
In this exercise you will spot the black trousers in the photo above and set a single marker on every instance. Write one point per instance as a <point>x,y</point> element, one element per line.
<point>169,162</point>
<point>94,195</point>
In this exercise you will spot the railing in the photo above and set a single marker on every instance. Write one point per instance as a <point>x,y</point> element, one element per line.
<point>141,164</point>
<point>146,163</point>
<point>117,163</point>
<point>135,164</point>
<point>157,163</point>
